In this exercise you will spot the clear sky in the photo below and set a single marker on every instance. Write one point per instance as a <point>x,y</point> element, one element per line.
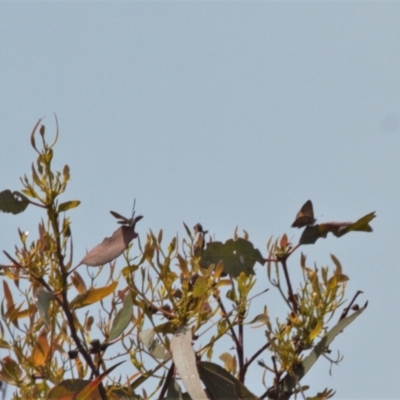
<point>224,113</point>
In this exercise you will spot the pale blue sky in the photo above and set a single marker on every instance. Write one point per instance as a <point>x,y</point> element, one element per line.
<point>224,113</point>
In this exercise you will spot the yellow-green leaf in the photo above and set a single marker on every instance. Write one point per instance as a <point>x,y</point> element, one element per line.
<point>316,331</point>
<point>200,286</point>
<point>68,205</point>
<point>229,362</point>
<point>183,266</point>
<point>92,295</point>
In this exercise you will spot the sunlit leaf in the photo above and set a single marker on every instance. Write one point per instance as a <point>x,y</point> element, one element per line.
<point>68,205</point>
<point>122,318</point>
<point>150,339</point>
<point>92,295</point>
<point>229,362</point>
<point>316,331</point>
<point>361,225</point>
<point>261,319</point>
<point>41,349</point>
<point>200,286</point>
<point>291,382</point>
<point>185,362</point>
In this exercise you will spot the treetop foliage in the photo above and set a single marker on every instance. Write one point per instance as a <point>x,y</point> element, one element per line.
<point>155,327</point>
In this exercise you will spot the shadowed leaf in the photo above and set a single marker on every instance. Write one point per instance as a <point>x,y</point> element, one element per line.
<point>174,391</point>
<point>13,202</point>
<point>122,318</point>
<point>70,388</point>
<point>88,389</point>
<point>43,299</point>
<point>312,233</point>
<point>221,384</point>
<point>10,371</point>
<point>237,255</point>
<point>110,248</point>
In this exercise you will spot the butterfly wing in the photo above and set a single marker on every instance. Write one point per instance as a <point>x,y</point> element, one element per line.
<point>305,216</point>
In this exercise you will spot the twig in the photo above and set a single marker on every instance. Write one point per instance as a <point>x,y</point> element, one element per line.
<point>168,379</point>
<point>347,309</point>
<point>290,290</point>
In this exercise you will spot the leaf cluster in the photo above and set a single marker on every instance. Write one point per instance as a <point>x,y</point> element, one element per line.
<point>166,313</point>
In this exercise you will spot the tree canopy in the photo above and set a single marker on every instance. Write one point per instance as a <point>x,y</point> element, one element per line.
<point>163,313</point>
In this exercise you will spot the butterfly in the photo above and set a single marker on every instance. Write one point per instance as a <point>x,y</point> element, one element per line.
<point>305,216</point>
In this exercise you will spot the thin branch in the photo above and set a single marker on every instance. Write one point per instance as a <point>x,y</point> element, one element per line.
<point>347,309</point>
<point>254,356</point>
<point>167,381</point>
<point>291,296</point>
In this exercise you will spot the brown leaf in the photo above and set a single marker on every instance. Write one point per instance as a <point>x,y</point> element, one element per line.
<point>110,248</point>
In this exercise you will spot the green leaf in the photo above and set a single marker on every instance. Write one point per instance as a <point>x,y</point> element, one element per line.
<point>92,295</point>
<point>200,286</point>
<point>312,233</point>
<point>237,255</point>
<point>361,225</point>
<point>221,384</point>
<point>290,383</point>
<point>68,205</point>
<point>123,317</point>
<point>13,202</point>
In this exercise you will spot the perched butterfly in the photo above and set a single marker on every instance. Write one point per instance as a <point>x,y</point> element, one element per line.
<point>305,216</point>
<point>131,222</point>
